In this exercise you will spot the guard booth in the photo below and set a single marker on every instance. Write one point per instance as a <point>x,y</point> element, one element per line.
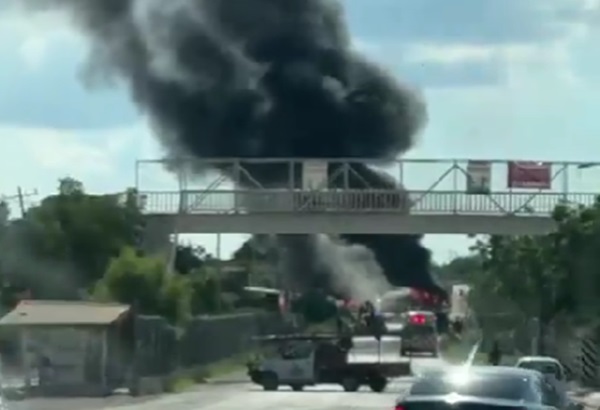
<point>70,347</point>
<point>79,348</point>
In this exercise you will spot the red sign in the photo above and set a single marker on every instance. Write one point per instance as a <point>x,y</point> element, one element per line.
<point>530,174</point>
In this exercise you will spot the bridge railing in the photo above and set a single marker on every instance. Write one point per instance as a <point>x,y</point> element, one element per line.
<point>359,201</point>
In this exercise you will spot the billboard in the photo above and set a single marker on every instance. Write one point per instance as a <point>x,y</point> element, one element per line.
<point>314,175</point>
<point>529,174</point>
<point>479,174</point>
<point>459,302</point>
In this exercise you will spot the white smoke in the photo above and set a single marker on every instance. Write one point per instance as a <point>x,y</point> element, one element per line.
<point>354,271</point>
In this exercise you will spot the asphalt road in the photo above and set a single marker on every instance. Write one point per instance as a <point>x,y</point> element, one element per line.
<point>233,396</point>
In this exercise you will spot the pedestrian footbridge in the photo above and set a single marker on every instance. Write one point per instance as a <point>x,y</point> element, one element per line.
<point>295,196</point>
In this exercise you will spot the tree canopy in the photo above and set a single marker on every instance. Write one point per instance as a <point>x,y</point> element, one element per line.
<point>76,245</point>
<point>545,276</point>
<point>65,243</point>
<point>458,270</point>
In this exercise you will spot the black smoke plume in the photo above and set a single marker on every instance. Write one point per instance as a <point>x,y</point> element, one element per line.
<point>259,78</point>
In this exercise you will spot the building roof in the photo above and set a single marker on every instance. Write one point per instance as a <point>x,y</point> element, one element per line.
<point>51,312</point>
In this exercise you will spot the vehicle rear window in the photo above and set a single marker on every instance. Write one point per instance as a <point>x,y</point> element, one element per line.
<point>490,386</point>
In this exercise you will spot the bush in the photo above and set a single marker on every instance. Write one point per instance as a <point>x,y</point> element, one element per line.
<point>144,282</point>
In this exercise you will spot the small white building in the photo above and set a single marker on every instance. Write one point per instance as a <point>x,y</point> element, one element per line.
<point>459,301</point>
<point>76,340</point>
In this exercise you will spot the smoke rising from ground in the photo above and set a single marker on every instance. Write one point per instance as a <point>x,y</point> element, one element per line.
<point>317,261</point>
<point>260,78</point>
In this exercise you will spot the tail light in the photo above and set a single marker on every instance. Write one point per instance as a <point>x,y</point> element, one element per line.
<point>399,407</point>
<point>418,319</point>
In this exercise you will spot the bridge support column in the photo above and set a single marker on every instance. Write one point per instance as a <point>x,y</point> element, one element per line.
<point>157,236</point>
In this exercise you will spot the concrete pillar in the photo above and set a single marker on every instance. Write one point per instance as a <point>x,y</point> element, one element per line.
<point>156,240</point>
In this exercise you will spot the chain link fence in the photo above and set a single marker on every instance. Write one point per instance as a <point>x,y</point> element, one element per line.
<point>208,339</point>
<point>577,347</point>
<point>204,341</point>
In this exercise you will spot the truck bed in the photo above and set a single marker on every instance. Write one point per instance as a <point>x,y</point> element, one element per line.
<point>374,358</point>
<point>394,368</point>
<point>367,350</point>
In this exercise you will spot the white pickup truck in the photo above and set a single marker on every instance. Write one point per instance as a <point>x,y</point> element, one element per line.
<point>305,360</point>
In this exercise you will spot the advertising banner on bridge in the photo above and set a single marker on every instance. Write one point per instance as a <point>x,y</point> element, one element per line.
<point>529,174</point>
<point>314,175</point>
<point>479,175</point>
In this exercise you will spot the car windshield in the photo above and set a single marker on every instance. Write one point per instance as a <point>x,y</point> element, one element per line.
<point>544,367</point>
<point>508,387</point>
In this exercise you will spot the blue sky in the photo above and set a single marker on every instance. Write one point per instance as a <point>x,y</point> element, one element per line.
<point>507,79</point>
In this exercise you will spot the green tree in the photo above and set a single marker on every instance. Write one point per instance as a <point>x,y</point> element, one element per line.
<point>259,256</point>
<point>65,244</point>
<point>459,269</point>
<point>69,187</point>
<point>189,258</point>
<point>516,268</point>
<point>256,248</point>
<point>206,295</point>
<point>74,244</point>
<point>547,275</point>
<point>575,254</point>
<point>144,282</point>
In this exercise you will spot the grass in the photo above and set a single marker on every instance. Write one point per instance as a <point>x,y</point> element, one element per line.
<point>186,379</point>
<point>179,384</point>
<point>227,366</point>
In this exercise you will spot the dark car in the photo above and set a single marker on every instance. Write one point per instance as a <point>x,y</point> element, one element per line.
<point>419,338</point>
<point>480,388</point>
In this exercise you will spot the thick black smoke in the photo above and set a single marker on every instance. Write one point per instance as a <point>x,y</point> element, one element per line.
<point>259,78</point>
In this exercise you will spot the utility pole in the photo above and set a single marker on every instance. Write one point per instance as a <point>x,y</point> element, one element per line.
<point>20,197</point>
<point>21,201</point>
<point>219,274</point>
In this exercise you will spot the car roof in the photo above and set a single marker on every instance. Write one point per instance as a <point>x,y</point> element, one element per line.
<point>486,370</point>
<point>421,312</point>
<point>538,359</point>
<point>508,372</point>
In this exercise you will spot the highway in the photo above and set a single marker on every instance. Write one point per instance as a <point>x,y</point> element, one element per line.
<point>235,393</point>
